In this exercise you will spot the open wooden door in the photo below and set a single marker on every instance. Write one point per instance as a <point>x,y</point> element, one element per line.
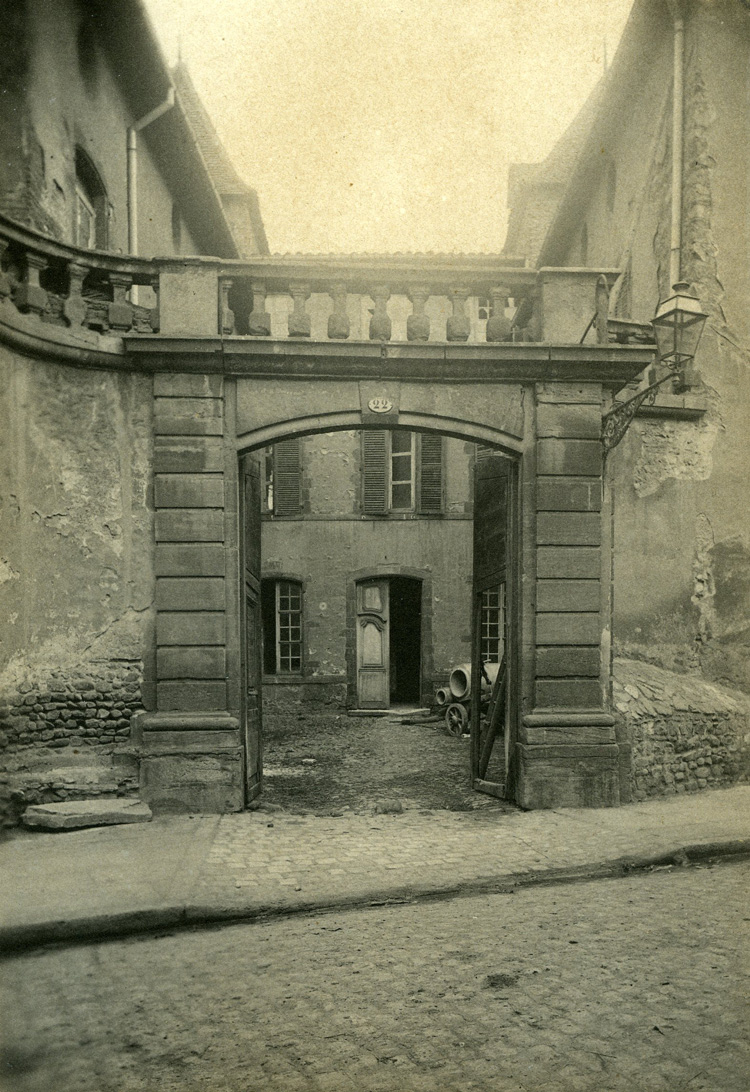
<point>251,626</point>
<point>492,481</point>
<point>373,681</point>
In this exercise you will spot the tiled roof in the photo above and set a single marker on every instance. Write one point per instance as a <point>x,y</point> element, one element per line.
<point>220,167</point>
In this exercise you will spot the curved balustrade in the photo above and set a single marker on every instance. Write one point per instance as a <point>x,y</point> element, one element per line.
<point>68,287</point>
<point>430,297</point>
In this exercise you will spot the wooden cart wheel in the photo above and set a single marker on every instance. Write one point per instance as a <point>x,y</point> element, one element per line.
<point>456,719</point>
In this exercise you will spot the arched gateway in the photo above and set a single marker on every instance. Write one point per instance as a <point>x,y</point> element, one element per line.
<point>220,396</point>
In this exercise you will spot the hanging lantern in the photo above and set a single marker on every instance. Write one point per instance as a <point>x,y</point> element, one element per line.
<point>678,326</point>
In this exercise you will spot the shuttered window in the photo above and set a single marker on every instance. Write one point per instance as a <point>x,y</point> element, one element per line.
<point>430,474</point>
<point>375,447</point>
<point>401,472</point>
<point>287,475</point>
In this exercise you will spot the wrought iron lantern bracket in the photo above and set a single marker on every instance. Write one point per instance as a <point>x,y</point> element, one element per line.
<point>616,423</point>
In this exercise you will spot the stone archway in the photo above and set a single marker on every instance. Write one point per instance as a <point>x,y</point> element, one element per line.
<point>566,749</point>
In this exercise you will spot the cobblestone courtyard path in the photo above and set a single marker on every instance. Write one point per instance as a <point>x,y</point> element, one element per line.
<point>610,986</point>
<point>322,762</point>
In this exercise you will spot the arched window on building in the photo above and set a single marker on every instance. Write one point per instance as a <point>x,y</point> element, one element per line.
<point>91,227</point>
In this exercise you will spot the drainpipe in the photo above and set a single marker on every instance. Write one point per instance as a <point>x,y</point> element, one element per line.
<point>678,102</point>
<point>133,131</point>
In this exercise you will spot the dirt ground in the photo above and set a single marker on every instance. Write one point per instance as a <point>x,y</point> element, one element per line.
<point>327,762</point>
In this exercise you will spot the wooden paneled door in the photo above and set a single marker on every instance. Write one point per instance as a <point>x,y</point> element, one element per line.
<point>492,595</point>
<point>252,715</point>
<point>373,644</point>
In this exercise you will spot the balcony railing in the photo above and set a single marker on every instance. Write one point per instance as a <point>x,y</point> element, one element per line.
<point>406,298</point>
<point>68,287</point>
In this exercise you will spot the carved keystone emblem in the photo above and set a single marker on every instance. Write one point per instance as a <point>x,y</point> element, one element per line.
<point>380,405</point>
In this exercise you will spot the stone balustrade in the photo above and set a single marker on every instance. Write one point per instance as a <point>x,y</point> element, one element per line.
<point>496,284</point>
<point>401,298</point>
<point>76,289</point>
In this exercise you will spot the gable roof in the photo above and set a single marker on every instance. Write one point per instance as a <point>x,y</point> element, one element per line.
<point>219,166</point>
<point>536,189</point>
<point>559,185</point>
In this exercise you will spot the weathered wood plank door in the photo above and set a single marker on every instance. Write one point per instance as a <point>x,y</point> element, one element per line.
<point>373,637</point>
<point>252,716</point>
<point>492,506</point>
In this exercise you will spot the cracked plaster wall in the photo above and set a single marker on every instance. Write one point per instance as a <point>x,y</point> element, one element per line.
<point>48,109</point>
<point>682,522</point>
<point>76,569</point>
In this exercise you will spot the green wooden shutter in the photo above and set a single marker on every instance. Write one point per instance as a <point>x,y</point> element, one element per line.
<point>375,472</point>
<point>287,474</point>
<point>430,474</point>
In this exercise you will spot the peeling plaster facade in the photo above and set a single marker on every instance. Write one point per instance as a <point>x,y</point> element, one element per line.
<point>682,521</point>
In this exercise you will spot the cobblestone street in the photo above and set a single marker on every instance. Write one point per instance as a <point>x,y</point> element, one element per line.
<point>608,986</point>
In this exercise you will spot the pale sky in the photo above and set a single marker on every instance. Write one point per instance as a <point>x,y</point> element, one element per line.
<point>388,125</point>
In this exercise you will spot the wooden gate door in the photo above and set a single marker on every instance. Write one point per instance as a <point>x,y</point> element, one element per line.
<point>373,635</point>
<point>492,508</point>
<point>251,627</point>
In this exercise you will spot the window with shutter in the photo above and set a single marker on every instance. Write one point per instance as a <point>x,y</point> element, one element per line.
<point>287,473</point>
<point>401,472</point>
<point>375,472</point>
<point>430,474</point>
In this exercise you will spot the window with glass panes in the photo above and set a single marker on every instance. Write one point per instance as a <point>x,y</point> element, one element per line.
<point>492,624</point>
<point>402,472</point>
<point>281,611</point>
<point>289,627</point>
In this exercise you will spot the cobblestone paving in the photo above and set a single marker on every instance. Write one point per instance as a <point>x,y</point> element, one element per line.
<point>615,986</point>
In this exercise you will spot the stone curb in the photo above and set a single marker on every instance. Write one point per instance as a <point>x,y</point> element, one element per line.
<point>17,939</point>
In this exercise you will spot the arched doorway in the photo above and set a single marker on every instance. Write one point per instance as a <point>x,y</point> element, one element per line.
<point>388,603</point>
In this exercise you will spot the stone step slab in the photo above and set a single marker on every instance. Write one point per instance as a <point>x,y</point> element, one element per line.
<point>75,814</point>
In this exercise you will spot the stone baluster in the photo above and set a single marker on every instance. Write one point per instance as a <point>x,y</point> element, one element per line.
<point>299,320</point>
<point>5,285</point>
<point>226,314</point>
<point>338,322</point>
<point>74,306</point>
<point>418,323</point>
<point>30,296</point>
<point>498,326</point>
<point>380,323</point>
<point>154,314</point>
<point>259,320</point>
<point>120,310</point>
<point>458,326</point>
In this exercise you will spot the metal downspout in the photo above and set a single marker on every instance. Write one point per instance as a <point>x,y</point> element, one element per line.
<point>132,179</point>
<point>678,106</point>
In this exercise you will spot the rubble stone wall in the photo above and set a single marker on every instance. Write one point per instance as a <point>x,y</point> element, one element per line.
<point>76,583</point>
<point>686,734</point>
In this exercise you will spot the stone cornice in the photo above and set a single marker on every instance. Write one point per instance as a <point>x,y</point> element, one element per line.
<point>613,366</point>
